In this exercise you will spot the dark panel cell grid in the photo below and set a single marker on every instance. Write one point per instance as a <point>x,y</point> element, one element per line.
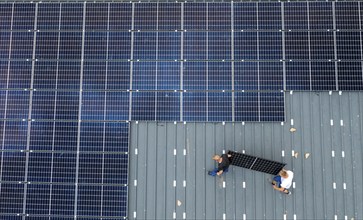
<point>255,163</point>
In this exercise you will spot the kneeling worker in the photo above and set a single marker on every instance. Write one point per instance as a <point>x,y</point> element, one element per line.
<point>223,163</point>
<point>283,181</point>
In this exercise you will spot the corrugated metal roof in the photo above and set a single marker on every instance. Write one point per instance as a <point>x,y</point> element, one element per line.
<point>168,173</point>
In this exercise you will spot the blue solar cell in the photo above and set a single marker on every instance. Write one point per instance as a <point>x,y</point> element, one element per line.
<point>23,17</point>
<point>45,75</point>
<point>2,104</point>
<point>89,200</point>
<point>62,201</point>
<point>272,106</point>
<point>298,76</point>
<point>219,16</point>
<point>72,16</point>
<point>13,166</point>
<point>296,16</point>
<point>270,45</point>
<point>322,45</point>
<point>70,45</point>
<point>65,136</point>
<point>168,46</point>
<point>194,76</point>
<point>116,137</point>
<point>271,76</point>
<point>90,167</point>
<point>145,16</point>
<point>17,104</point>
<point>297,45</point>
<point>320,15</point>
<point>115,169</point>
<point>195,16</point>
<point>169,16</point>
<point>41,136</point>
<point>94,77</point>
<point>195,106</point>
<point>323,76</point>
<point>37,199</point>
<point>144,75</point>
<point>4,74</point>
<point>245,16</point>
<point>40,167</point>
<point>119,45</point>
<point>47,45</point>
<point>246,106</point>
<point>219,45</point>
<point>195,46</point>
<point>22,45</point>
<point>12,196</point>
<point>143,106</point>
<point>67,106</point>
<point>219,76</point>
<point>168,76</point>
<point>348,45</point>
<point>43,105</point>
<point>5,16</point>
<point>69,74</point>
<point>93,105</point>
<point>48,16</point>
<point>20,74</point>
<point>118,75</point>
<point>15,136</point>
<point>64,167</point>
<point>4,45</point>
<point>91,139</point>
<point>96,16</point>
<point>145,46</point>
<point>120,16</point>
<point>347,15</point>
<point>168,106</point>
<point>95,45</point>
<point>117,105</point>
<point>114,201</point>
<point>350,76</point>
<point>245,46</point>
<point>220,106</point>
<point>246,76</point>
<point>269,16</point>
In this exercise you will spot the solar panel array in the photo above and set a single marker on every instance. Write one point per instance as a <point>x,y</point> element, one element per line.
<point>73,74</point>
<point>256,163</point>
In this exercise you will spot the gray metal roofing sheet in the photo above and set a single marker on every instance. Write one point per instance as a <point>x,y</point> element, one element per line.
<point>327,182</point>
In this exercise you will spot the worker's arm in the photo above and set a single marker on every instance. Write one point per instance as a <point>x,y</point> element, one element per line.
<point>219,172</point>
<point>281,189</point>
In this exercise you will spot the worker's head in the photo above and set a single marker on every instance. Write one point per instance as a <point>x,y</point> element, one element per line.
<point>283,174</point>
<point>216,157</point>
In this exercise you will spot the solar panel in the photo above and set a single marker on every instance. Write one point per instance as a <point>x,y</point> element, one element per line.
<point>256,163</point>
<point>73,74</point>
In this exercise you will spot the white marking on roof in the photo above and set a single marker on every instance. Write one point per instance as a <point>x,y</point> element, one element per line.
<point>174,183</point>
<point>134,214</point>
<point>331,122</point>
<point>334,185</point>
<point>135,182</point>
<point>292,121</point>
<point>344,186</point>
<point>244,184</point>
<point>333,153</point>
<point>283,153</point>
<point>174,151</point>
<point>184,183</point>
<point>343,153</point>
<point>341,122</point>
<point>135,151</point>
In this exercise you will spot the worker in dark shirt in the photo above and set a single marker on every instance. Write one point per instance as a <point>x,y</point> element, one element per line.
<point>223,163</point>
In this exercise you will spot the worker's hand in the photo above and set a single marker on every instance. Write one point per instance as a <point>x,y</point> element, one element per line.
<point>219,172</point>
